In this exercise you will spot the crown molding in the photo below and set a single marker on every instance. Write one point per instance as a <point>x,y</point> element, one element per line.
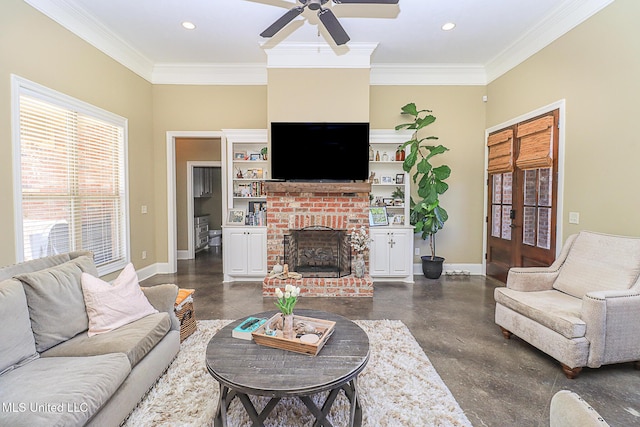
<point>210,74</point>
<point>555,25</point>
<point>318,55</point>
<point>428,75</point>
<point>93,32</point>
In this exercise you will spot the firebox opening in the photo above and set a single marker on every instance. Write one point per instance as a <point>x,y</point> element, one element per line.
<point>318,252</point>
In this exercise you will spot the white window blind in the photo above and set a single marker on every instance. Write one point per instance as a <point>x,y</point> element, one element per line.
<point>72,179</point>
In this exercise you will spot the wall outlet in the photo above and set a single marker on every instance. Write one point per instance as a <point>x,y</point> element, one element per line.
<point>144,254</point>
<point>143,209</point>
<point>416,251</point>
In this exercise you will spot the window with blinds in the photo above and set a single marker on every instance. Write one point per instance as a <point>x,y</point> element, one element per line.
<point>71,178</point>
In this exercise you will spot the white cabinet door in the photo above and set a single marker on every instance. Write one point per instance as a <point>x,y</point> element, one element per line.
<point>256,252</point>
<point>235,251</point>
<point>400,257</point>
<point>379,253</point>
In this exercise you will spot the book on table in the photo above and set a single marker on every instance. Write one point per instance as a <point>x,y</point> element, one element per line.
<point>246,327</point>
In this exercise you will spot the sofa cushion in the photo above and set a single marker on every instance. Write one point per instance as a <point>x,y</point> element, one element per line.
<point>60,391</point>
<point>33,265</point>
<point>55,300</point>
<point>17,345</point>
<point>599,262</point>
<point>110,306</point>
<point>555,310</point>
<point>135,340</point>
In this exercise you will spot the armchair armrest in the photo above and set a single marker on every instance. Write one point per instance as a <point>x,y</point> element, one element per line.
<point>163,298</point>
<point>529,279</point>
<point>612,319</point>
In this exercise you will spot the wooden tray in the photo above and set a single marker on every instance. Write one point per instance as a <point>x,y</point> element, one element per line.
<point>326,327</point>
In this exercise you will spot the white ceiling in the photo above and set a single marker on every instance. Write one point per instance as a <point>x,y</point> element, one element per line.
<point>491,36</point>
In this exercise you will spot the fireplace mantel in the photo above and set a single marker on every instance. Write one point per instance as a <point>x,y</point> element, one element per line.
<point>317,187</point>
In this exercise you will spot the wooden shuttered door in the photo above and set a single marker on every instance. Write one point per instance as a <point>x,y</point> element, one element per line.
<point>500,152</point>
<point>536,143</point>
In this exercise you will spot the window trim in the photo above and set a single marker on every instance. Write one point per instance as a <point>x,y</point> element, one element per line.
<point>21,86</point>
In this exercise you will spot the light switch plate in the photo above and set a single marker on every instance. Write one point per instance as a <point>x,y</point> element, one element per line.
<point>574,218</point>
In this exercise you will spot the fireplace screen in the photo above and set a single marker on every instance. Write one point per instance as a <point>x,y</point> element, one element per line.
<point>318,252</point>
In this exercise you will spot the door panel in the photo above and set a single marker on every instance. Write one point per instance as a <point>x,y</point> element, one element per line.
<point>521,226</point>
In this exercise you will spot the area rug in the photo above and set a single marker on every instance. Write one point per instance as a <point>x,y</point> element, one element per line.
<point>398,387</point>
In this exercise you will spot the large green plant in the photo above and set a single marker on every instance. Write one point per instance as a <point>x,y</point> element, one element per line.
<point>427,216</point>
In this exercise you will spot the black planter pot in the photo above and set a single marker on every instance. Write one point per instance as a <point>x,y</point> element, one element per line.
<point>432,267</point>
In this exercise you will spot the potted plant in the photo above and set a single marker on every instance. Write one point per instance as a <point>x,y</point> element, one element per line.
<point>263,153</point>
<point>426,215</point>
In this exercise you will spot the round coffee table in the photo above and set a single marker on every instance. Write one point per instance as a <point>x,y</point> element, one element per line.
<point>245,368</point>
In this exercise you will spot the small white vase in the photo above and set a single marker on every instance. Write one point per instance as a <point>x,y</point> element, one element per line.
<point>358,266</point>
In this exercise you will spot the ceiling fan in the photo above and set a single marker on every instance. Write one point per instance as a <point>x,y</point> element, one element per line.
<point>328,19</point>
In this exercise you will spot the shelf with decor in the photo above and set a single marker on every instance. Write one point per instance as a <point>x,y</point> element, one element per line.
<point>248,160</point>
<point>389,182</point>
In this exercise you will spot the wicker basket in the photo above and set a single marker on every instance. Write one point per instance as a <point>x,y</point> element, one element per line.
<point>186,313</point>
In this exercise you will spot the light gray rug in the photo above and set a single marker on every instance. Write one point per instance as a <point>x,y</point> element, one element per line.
<point>398,387</point>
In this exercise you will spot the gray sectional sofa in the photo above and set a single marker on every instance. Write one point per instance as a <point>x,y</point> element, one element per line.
<point>51,372</point>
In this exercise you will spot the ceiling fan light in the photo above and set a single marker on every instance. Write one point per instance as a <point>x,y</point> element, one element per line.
<point>188,25</point>
<point>448,26</point>
<point>314,4</point>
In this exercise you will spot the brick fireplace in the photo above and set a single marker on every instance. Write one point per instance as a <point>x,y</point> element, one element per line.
<point>299,205</point>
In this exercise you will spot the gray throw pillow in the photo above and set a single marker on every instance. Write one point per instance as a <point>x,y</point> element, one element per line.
<point>17,345</point>
<point>56,303</point>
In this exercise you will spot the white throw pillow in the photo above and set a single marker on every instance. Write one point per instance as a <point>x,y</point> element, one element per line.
<point>110,306</point>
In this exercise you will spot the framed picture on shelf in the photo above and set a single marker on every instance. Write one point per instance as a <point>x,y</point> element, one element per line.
<point>400,178</point>
<point>387,180</point>
<point>236,216</point>
<point>378,216</point>
<point>388,201</point>
<point>255,157</point>
<point>239,155</point>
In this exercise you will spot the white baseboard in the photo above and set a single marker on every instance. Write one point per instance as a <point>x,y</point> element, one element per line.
<point>471,269</point>
<point>153,269</point>
<point>183,255</point>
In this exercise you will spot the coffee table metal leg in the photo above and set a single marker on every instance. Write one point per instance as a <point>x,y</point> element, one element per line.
<point>351,391</point>
<point>220,418</point>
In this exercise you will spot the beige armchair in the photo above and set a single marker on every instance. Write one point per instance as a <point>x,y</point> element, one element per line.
<point>583,310</point>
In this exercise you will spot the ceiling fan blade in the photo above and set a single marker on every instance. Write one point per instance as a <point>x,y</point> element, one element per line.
<point>330,22</point>
<point>282,21</point>
<point>365,1</point>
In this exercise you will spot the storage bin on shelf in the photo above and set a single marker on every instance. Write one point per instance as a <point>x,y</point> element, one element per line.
<point>185,312</point>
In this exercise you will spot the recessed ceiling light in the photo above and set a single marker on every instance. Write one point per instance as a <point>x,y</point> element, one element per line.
<point>189,25</point>
<point>448,26</point>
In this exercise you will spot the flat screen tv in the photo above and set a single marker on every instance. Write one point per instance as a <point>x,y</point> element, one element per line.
<point>302,151</point>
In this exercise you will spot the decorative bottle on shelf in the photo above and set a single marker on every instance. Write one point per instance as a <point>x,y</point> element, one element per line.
<point>371,156</point>
<point>385,157</point>
<point>377,156</point>
<point>399,154</point>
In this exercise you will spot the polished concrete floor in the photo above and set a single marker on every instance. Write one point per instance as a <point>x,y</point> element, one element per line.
<point>497,382</point>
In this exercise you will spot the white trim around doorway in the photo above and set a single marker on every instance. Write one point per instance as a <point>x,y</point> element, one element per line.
<point>172,232</point>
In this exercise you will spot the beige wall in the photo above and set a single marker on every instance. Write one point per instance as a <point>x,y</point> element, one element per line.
<point>319,95</point>
<point>197,108</point>
<point>459,125</point>
<point>189,150</point>
<point>596,68</point>
<point>36,48</point>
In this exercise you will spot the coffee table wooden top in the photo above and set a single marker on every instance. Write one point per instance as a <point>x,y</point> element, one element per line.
<point>250,368</point>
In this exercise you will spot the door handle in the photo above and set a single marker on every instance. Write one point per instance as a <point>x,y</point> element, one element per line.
<point>512,214</point>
